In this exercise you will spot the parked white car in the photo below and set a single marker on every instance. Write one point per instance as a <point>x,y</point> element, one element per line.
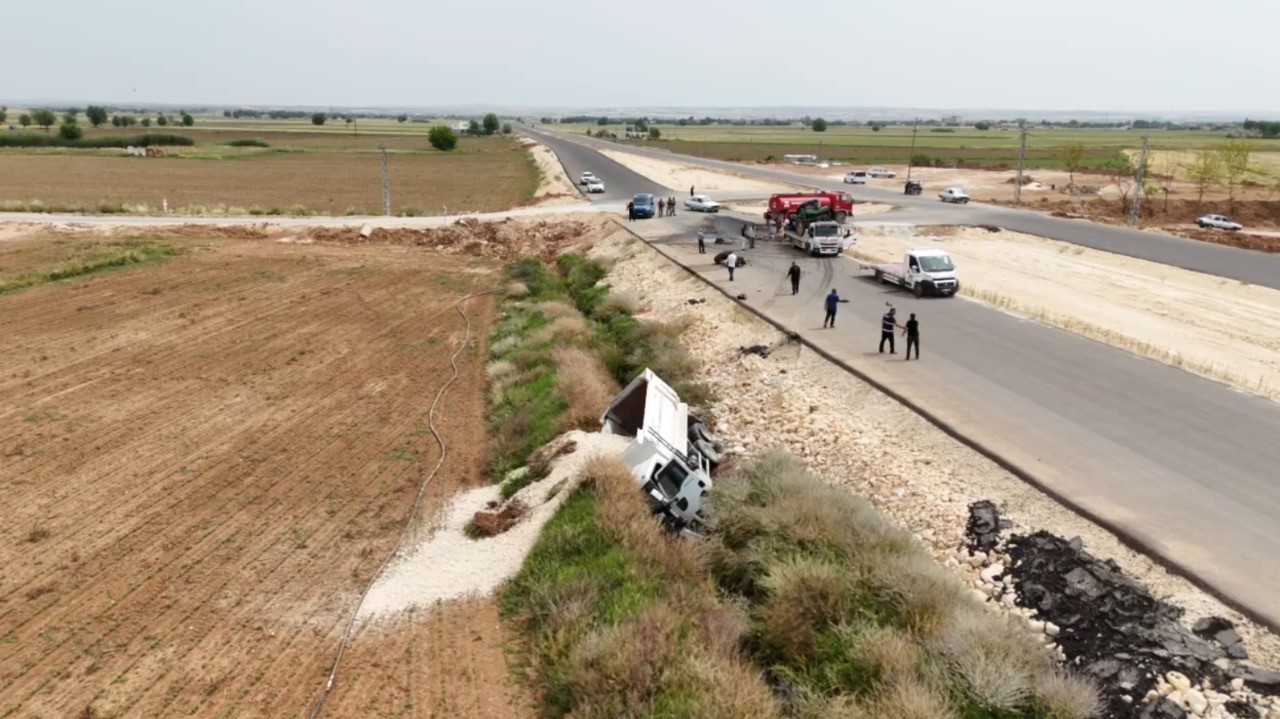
<point>881,173</point>
<point>701,203</point>
<point>586,178</point>
<point>595,184</point>
<point>857,177</point>
<point>954,194</point>
<point>1221,222</point>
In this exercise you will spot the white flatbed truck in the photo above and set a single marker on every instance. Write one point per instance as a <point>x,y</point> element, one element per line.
<point>924,272</point>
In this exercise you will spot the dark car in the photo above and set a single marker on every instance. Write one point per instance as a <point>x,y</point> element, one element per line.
<point>643,204</point>
<point>913,187</point>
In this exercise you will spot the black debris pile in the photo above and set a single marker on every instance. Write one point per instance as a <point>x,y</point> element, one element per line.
<point>766,350</point>
<point>983,529</point>
<point>695,301</point>
<point>1113,630</point>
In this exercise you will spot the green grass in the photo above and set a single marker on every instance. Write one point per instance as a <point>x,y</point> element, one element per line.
<point>148,254</point>
<point>892,145</point>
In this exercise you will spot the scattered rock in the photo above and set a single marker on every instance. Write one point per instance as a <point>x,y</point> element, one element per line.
<point>1163,709</point>
<point>1257,678</point>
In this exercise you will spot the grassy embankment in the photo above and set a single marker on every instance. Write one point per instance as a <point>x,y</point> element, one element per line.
<point>133,252</point>
<point>560,350</point>
<point>804,602</point>
<point>893,145</point>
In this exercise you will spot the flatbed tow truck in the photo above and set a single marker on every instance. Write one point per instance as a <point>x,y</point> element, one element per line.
<point>923,271</point>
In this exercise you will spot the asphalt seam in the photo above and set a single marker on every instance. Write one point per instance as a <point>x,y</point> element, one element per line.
<point>1123,535</point>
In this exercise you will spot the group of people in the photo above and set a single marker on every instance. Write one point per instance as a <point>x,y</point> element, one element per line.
<point>665,208</point>
<point>888,322</point>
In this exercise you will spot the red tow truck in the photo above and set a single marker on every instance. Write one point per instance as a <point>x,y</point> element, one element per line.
<point>785,205</point>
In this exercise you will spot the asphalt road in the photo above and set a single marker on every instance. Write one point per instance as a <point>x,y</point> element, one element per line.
<point>1256,268</point>
<point>1185,468</point>
<point>620,183</point>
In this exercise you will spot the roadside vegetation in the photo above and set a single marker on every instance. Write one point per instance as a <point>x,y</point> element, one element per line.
<point>561,348</point>
<point>143,254</point>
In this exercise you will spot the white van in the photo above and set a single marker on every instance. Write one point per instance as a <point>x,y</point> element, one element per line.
<point>857,177</point>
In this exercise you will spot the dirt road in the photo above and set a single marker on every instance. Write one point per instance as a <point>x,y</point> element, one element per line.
<point>202,463</point>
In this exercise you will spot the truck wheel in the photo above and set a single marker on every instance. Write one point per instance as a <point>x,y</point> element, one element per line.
<point>841,217</point>
<point>879,277</point>
<point>918,289</point>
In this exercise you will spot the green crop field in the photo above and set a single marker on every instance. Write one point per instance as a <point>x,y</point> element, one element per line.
<point>892,144</point>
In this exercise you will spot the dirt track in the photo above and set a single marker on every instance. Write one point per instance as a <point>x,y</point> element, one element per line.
<point>202,463</point>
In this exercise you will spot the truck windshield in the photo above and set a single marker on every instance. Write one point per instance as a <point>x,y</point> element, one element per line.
<point>936,263</point>
<point>671,479</point>
<point>826,231</point>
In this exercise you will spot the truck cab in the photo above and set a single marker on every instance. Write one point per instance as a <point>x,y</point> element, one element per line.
<point>823,238</point>
<point>671,467</point>
<point>930,271</point>
<point>643,204</point>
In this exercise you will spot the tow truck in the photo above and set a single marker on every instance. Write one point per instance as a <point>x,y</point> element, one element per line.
<point>813,229</point>
<point>923,271</point>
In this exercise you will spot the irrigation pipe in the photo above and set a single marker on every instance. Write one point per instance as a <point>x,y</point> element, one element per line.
<point>318,706</point>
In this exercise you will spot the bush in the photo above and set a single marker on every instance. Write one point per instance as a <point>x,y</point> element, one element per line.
<point>34,140</point>
<point>318,118</point>
<point>819,125</point>
<point>921,160</point>
<point>248,142</point>
<point>70,131</point>
<point>442,138</point>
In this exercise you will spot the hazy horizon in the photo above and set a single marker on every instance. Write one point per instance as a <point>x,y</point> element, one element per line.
<point>1136,58</point>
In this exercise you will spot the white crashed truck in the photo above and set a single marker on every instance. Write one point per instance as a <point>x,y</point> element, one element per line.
<point>672,454</point>
<point>924,272</point>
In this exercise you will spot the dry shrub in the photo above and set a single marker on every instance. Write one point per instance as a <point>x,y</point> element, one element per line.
<point>1062,696</point>
<point>516,288</point>
<point>617,303</point>
<point>925,595</point>
<point>555,309</point>
<point>617,670</point>
<point>499,369</point>
<point>806,596</point>
<point>562,329</point>
<point>997,658</point>
<point>911,700</point>
<point>504,345</point>
<point>585,385</point>
<point>624,511</point>
<point>718,687</point>
<point>722,628</point>
<point>890,653</point>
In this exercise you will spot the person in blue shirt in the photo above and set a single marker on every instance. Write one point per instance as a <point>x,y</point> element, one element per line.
<point>888,323</point>
<point>833,300</point>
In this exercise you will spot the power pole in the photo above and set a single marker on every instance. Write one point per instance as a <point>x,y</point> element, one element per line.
<point>386,183</point>
<point>912,153</point>
<point>1134,215</point>
<point>1022,161</point>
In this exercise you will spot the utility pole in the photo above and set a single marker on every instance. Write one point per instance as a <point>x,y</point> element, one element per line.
<point>912,153</point>
<point>1134,214</point>
<point>1022,161</point>
<point>386,183</point>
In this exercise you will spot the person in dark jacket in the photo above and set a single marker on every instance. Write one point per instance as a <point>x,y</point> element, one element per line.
<point>888,323</point>
<point>702,244</point>
<point>793,273</point>
<point>912,332</point>
<point>833,300</point>
<point>631,211</point>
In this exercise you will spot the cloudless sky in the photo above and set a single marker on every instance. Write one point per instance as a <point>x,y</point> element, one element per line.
<point>1105,55</point>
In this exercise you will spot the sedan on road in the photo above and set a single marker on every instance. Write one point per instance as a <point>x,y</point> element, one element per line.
<point>586,178</point>
<point>954,194</point>
<point>595,184</point>
<point>881,173</point>
<point>701,203</point>
<point>1221,222</point>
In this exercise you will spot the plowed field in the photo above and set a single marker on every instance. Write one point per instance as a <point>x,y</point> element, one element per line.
<point>202,463</point>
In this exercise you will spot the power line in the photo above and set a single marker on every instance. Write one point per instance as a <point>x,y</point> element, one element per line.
<point>1022,161</point>
<point>912,155</point>
<point>386,183</point>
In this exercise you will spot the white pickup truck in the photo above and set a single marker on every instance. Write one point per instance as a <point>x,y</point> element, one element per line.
<point>924,271</point>
<point>670,457</point>
<point>821,239</point>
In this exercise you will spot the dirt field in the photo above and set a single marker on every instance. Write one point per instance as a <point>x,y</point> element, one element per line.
<point>202,463</point>
<point>313,177</point>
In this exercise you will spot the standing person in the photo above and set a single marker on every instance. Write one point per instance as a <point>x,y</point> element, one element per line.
<point>702,244</point>
<point>794,274</point>
<point>631,211</point>
<point>887,324</point>
<point>671,206</point>
<point>833,301</point>
<point>732,263</point>
<point>912,331</point>
<point>690,190</point>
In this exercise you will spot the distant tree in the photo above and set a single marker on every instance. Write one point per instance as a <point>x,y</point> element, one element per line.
<point>4,114</point>
<point>655,133</point>
<point>1234,155</point>
<point>226,113</point>
<point>117,121</point>
<point>318,118</point>
<point>602,121</point>
<point>44,118</point>
<point>402,119</point>
<point>96,115</point>
<point>642,125</point>
<point>1167,173</point>
<point>491,124</point>
<point>506,128</point>
<point>819,125</point>
<point>71,114</point>
<point>187,120</point>
<point>70,131</point>
<point>24,120</point>
<point>162,121</point>
<point>877,126</point>
<point>146,122</point>
<point>1072,155</point>
<point>473,128</point>
<point>1123,171</point>
<point>982,125</point>
<point>442,138</point>
<point>1204,171</point>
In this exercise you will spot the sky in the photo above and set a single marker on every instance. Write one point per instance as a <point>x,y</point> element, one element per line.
<point>1095,55</point>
